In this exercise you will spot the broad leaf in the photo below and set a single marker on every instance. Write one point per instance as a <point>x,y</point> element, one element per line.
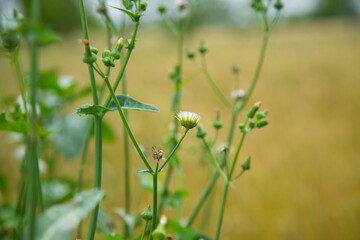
<point>88,109</point>
<point>133,16</point>
<point>13,126</point>
<point>58,222</point>
<point>127,102</point>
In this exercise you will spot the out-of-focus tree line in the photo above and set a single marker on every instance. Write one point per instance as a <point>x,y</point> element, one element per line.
<point>62,15</point>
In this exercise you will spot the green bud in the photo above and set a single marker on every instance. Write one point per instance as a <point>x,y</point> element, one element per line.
<point>161,8</point>
<point>143,5</point>
<point>94,50</point>
<point>278,5</point>
<point>253,110</point>
<point>127,4</point>
<point>201,133</point>
<point>261,115</point>
<point>115,53</point>
<point>105,53</point>
<point>251,124</point>
<point>108,62</point>
<point>147,214</point>
<point>202,48</point>
<point>261,123</point>
<point>242,127</point>
<point>10,39</point>
<point>217,124</point>
<point>190,53</point>
<point>89,57</point>
<point>159,232</point>
<point>246,164</point>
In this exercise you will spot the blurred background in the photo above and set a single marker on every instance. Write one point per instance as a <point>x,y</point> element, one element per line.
<point>304,181</point>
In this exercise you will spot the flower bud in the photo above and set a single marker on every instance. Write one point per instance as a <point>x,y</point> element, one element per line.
<point>261,123</point>
<point>159,232</point>
<point>217,124</point>
<point>106,58</point>
<point>94,50</point>
<point>251,124</point>
<point>115,53</point>
<point>253,110</point>
<point>246,164</point>
<point>190,53</point>
<point>161,8</point>
<point>143,5</point>
<point>235,68</point>
<point>261,115</point>
<point>89,57</point>
<point>127,4</point>
<point>278,5</point>
<point>10,39</point>
<point>242,127</point>
<point>188,119</point>
<point>147,214</point>
<point>202,48</point>
<point>201,133</point>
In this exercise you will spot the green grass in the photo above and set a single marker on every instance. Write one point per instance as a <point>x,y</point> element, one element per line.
<point>304,182</point>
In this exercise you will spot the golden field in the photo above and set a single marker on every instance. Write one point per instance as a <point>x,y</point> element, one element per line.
<point>304,182</point>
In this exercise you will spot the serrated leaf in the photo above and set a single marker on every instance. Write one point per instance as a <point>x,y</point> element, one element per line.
<point>133,16</point>
<point>88,109</point>
<point>59,222</point>
<point>127,102</point>
<point>20,126</point>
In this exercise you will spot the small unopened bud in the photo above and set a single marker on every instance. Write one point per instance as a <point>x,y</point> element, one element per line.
<point>161,8</point>
<point>278,5</point>
<point>159,232</point>
<point>188,119</point>
<point>242,127</point>
<point>235,68</point>
<point>246,164</point>
<point>143,5</point>
<point>251,124</point>
<point>261,115</point>
<point>127,4</point>
<point>157,154</point>
<point>202,48</point>
<point>217,124</point>
<point>261,123</point>
<point>201,133</point>
<point>89,57</point>
<point>147,214</point>
<point>94,50</point>
<point>190,53</point>
<point>253,110</point>
<point>106,58</point>
<point>115,53</point>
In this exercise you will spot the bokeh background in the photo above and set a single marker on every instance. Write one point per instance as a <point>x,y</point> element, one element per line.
<point>304,182</point>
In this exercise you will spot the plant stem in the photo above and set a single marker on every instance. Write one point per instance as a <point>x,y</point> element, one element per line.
<point>97,131</point>
<point>174,150</point>
<point>236,155</point>
<point>124,64</point>
<point>213,85</point>
<point>143,234</point>
<point>214,161</point>
<point>221,216</point>
<point>21,83</point>
<point>126,124</point>
<point>154,220</point>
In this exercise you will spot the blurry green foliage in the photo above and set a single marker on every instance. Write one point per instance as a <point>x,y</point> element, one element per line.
<point>333,8</point>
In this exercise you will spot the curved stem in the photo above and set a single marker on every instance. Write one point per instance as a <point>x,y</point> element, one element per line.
<point>126,124</point>
<point>174,150</point>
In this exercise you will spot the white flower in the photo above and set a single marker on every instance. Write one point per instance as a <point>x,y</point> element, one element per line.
<point>188,119</point>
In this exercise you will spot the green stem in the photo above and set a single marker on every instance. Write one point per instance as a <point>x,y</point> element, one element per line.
<point>126,124</point>
<point>124,64</point>
<point>214,161</point>
<point>97,131</point>
<point>174,150</point>
<point>144,232</point>
<point>236,155</point>
<point>221,216</point>
<point>21,83</point>
<point>165,190</point>
<point>155,191</point>
<point>213,84</point>
<point>97,175</point>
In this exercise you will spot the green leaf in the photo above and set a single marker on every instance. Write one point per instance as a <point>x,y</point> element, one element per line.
<point>59,222</point>
<point>88,109</point>
<point>4,188</point>
<point>103,223</point>
<point>127,102</point>
<point>132,15</point>
<point>43,36</point>
<point>146,181</point>
<point>183,233</point>
<point>114,236</point>
<point>57,191</point>
<point>62,85</point>
<point>13,126</point>
<point>107,132</point>
<point>127,218</point>
<point>143,171</point>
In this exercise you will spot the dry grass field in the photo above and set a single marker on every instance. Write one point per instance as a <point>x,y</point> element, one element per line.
<point>304,182</point>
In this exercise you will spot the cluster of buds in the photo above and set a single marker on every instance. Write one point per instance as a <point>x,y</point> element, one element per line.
<point>128,4</point>
<point>158,154</point>
<point>260,6</point>
<point>258,122</point>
